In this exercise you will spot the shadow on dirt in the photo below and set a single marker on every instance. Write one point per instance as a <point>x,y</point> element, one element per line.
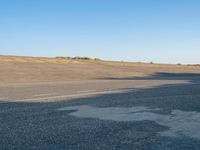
<point>164,76</point>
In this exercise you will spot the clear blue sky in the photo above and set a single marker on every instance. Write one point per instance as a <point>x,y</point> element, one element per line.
<point>164,31</point>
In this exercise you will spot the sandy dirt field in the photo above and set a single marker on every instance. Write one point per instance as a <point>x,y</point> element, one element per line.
<point>29,69</point>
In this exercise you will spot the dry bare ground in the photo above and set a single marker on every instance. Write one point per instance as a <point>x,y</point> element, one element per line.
<point>15,69</point>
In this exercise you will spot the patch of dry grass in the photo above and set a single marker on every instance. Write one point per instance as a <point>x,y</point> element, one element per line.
<point>65,60</point>
<point>32,59</point>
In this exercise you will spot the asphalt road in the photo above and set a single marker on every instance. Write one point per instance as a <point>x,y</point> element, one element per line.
<point>143,113</point>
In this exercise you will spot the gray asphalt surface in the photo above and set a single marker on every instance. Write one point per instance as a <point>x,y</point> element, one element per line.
<point>140,113</point>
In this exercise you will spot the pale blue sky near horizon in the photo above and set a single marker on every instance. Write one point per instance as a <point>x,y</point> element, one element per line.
<point>129,30</point>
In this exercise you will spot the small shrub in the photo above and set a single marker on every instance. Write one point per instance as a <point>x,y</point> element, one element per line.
<point>97,59</point>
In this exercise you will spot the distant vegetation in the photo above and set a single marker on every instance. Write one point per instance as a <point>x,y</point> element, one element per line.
<point>59,59</point>
<point>77,58</point>
<point>65,59</point>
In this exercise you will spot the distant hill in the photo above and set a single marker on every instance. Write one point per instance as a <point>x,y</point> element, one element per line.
<point>59,59</point>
